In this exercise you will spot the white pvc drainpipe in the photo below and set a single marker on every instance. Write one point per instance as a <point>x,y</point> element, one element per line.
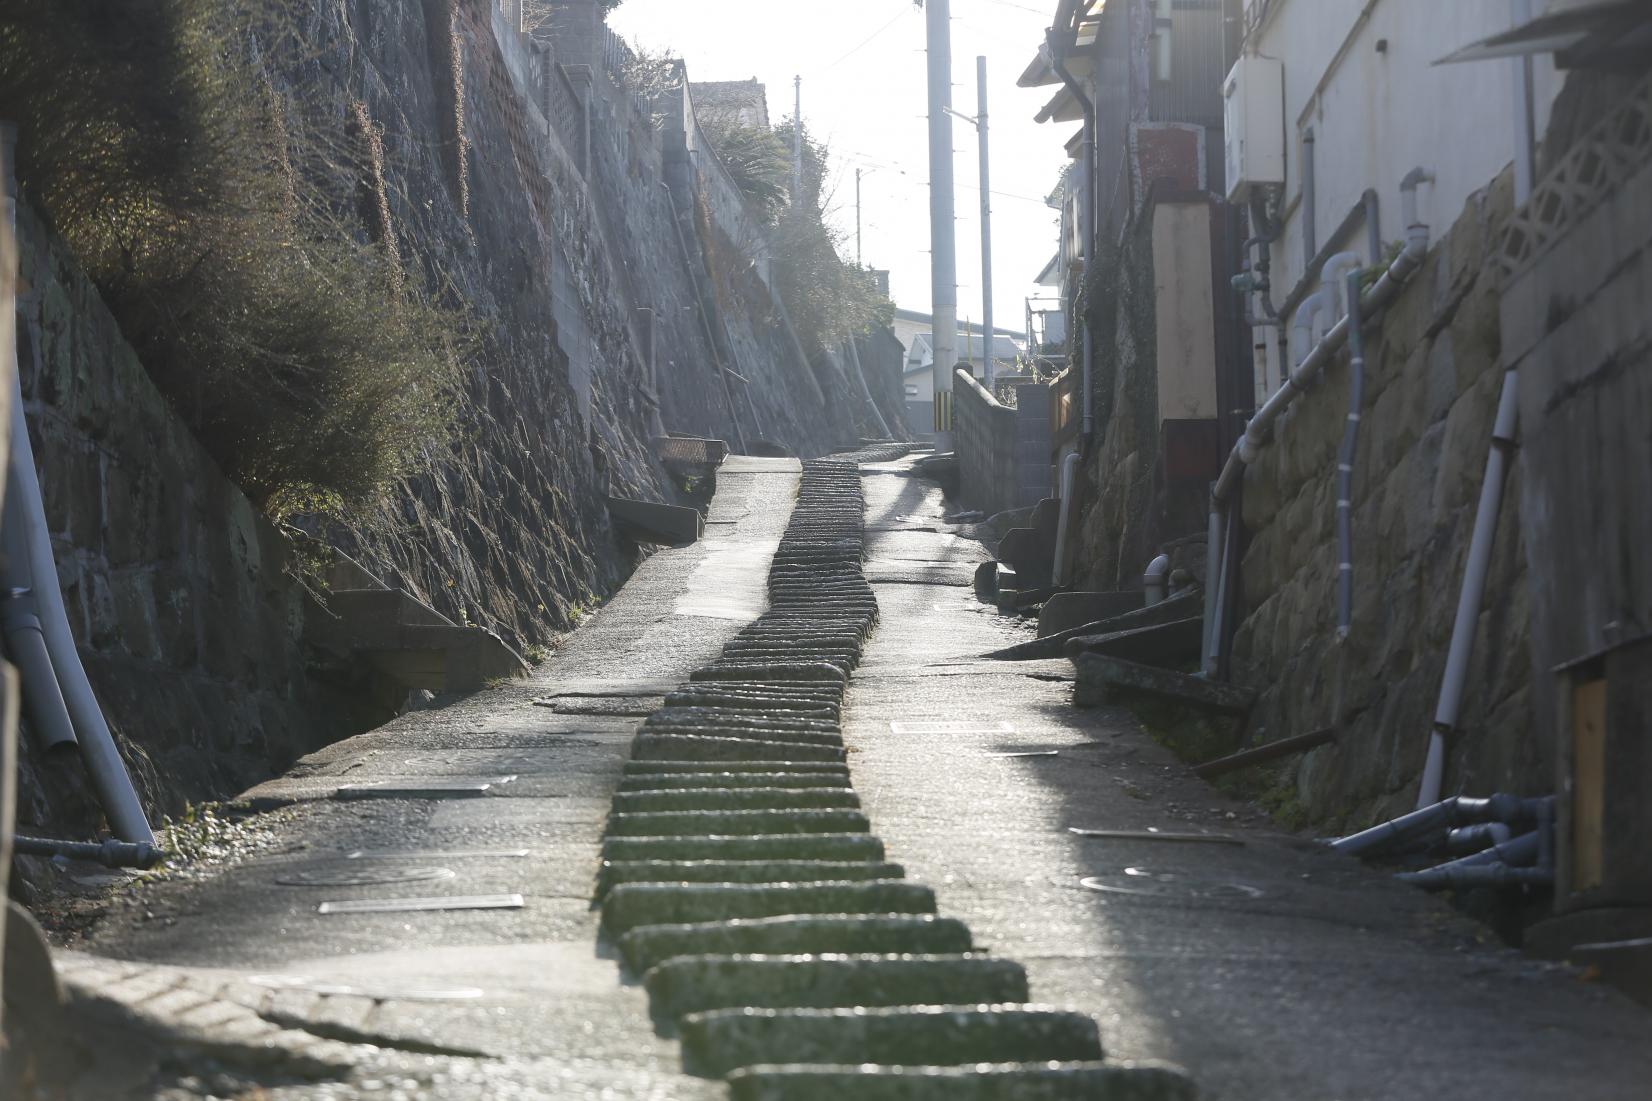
<point>1069,474</point>
<point>1474,588</point>
<point>1249,446</point>
<point>97,745</point>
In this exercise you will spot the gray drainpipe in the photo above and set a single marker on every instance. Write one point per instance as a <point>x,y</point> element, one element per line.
<point>104,765</point>
<point>1087,227</point>
<point>1309,247</point>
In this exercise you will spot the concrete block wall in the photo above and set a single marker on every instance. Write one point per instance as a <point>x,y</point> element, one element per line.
<point>1431,394</point>
<point>1003,451</point>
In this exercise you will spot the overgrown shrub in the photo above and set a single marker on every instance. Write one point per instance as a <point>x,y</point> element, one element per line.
<point>827,299</point>
<point>223,222</point>
<point>758,162</point>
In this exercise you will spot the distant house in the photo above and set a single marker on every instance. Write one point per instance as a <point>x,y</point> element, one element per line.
<point>740,102</point>
<point>915,331</point>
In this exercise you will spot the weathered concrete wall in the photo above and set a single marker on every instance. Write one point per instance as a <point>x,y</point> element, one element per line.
<point>176,588</point>
<point>1431,395</point>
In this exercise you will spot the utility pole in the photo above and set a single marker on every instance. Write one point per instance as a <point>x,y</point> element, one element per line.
<point>980,124</point>
<point>989,343</point>
<point>797,144</point>
<point>942,244</point>
<point>858,263</point>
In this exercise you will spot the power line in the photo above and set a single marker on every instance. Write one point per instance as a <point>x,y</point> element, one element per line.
<point>865,43</point>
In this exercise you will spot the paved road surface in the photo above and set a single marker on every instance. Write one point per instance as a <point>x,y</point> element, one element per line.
<point>1269,969</point>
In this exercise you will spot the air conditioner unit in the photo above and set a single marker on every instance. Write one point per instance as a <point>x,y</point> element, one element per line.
<point>1253,125</point>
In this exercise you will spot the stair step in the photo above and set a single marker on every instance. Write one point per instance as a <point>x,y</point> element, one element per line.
<point>983,1082</point>
<point>812,671</point>
<point>748,733</point>
<point>796,934</point>
<point>613,873</point>
<point>692,984</point>
<point>721,1040</point>
<point>699,747</point>
<point>725,823</point>
<point>632,904</point>
<point>769,719</point>
<point>738,799</point>
<point>703,780</point>
<point>799,846</point>
<point>691,767</point>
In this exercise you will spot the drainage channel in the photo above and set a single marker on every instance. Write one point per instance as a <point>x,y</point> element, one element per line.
<point>743,885</point>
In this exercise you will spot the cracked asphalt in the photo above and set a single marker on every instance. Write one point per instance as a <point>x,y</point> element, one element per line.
<point>1265,966</point>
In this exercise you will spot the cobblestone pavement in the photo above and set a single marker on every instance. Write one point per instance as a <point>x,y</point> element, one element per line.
<point>816,846</point>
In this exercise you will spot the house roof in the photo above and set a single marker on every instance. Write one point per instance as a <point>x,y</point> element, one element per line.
<point>919,315</point>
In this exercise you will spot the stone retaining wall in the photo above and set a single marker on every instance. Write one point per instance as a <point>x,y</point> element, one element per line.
<point>176,588</point>
<point>1432,387</point>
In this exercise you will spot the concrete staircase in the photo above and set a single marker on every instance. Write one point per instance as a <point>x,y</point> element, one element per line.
<point>743,886</point>
<point>397,634</point>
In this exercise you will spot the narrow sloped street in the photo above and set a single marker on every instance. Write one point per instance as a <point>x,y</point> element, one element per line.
<point>418,919</point>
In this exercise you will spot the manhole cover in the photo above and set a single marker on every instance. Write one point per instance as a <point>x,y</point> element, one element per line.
<point>1145,882</point>
<point>362,876</point>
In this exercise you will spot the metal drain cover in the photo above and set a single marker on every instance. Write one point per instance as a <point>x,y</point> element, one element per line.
<point>362,876</point>
<point>1144,882</point>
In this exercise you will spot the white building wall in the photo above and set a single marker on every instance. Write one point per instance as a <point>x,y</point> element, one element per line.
<point>1376,114</point>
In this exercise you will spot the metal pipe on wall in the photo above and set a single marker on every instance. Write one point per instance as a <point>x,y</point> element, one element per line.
<point>1069,475</point>
<point>1472,594</point>
<point>1345,461</point>
<point>1248,446</point>
<point>1309,249</point>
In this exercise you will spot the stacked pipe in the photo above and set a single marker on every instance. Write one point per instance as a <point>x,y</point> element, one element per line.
<point>742,883</point>
<point>1481,827</point>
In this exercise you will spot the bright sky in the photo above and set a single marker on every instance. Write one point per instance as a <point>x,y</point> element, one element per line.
<point>865,93</point>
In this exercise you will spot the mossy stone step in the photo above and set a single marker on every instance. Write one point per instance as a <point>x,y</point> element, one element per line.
<point>797,846</point>
<point>693,984</point>
<point>630,905</point>
<point>616,872</point>
<point>721,1040</point>
<point>812,671</point>
<point>753,798</point>
<point>702,747</point>
<point>797,934</point>
<point>983,1082</point>
<point>729,716</point>
<point>725,823</point>
<point>705,780</point>
<point>749,733</point>
<point>791,768</point>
